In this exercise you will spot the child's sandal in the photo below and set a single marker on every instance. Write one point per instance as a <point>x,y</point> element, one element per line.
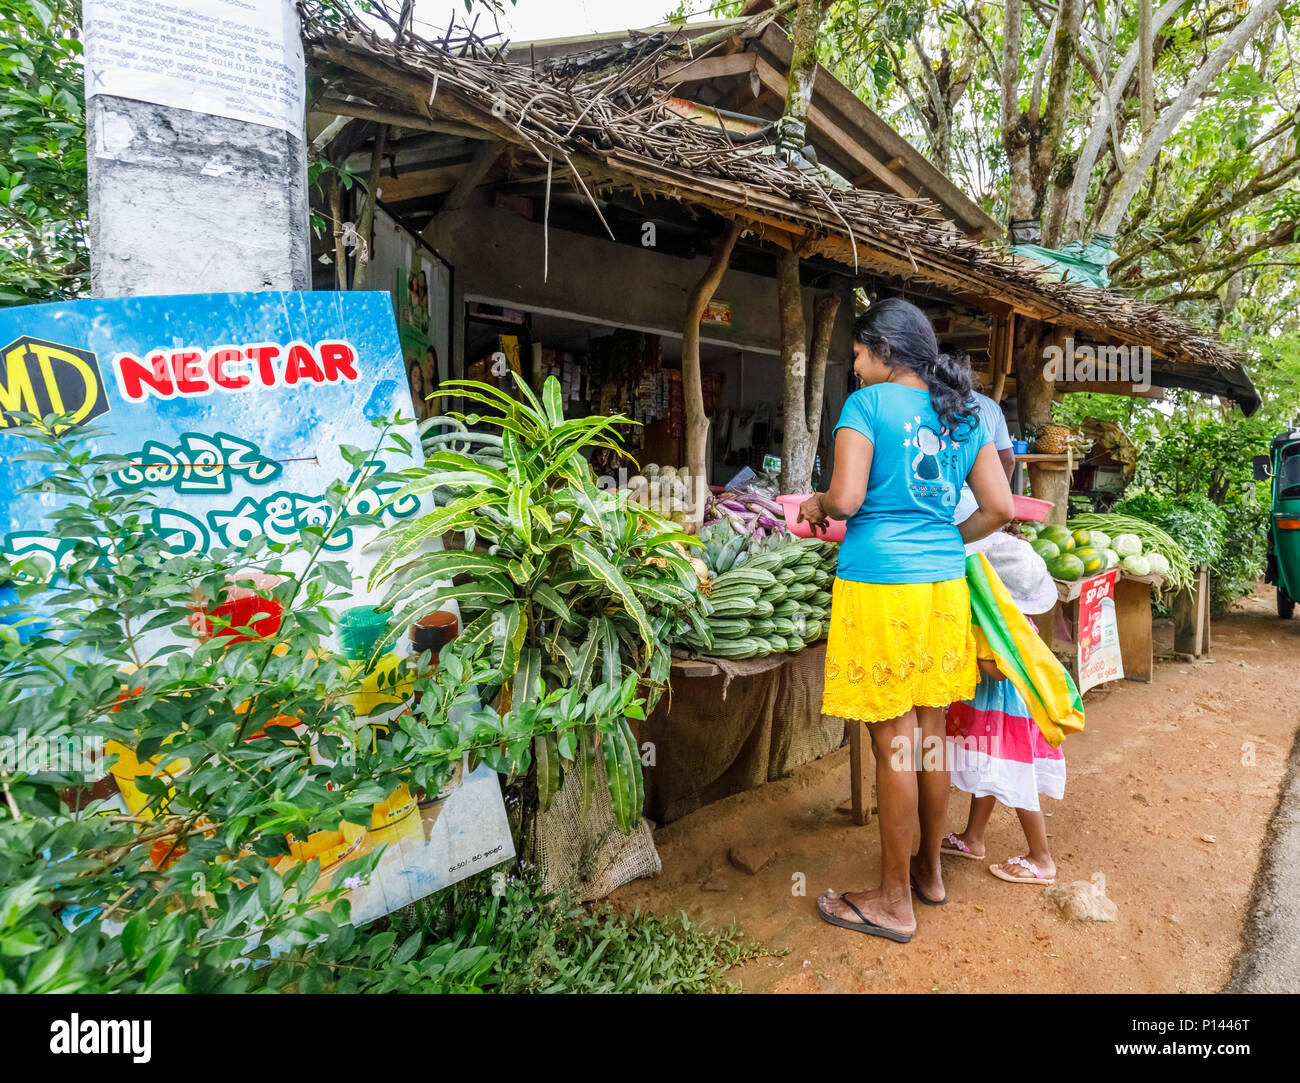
<point>1036,877</point>
<point>951,844</point>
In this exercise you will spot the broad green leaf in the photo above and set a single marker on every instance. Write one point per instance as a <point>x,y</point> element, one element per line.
<point>587,654</point>
<point>589,555</point>
<point>546,754</point>
<point>552,396</point>
<point>586,768</point>
<point>550,599</point>
<point>623,777</point>
<point>407,537</point>
<point>527,677</point>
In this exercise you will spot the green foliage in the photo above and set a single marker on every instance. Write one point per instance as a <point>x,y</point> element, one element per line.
<point>1194,522</point>
<point>549,944</point>
<point>571,595</point>
<point>1194,480</point>
<point>43,254</point>
<point>194,891</point>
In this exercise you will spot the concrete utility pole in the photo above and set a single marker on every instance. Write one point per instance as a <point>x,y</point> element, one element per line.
<point>188,193</point>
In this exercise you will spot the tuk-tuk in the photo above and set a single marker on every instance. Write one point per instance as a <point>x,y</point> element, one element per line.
<point>1283,570</point>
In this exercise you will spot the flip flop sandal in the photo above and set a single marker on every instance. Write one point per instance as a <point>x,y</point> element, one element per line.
<point>951,844</point>
<point>1038,879</point>
<point>923,897</point>
<point>863,926</point>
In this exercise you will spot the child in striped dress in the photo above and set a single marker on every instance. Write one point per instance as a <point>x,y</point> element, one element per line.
<point>997,751</point>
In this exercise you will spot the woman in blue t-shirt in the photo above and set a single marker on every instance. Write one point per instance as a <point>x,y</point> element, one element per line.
<point>901,646</point>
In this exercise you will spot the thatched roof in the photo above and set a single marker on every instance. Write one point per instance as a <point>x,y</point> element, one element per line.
<point>608,129</point>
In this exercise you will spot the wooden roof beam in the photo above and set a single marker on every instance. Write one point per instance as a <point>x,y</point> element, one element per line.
<point>365,111</point>
<point>475,174</point>
<point>709,67</point>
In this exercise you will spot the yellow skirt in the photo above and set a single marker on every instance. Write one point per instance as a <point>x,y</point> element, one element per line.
<point>895,646</point>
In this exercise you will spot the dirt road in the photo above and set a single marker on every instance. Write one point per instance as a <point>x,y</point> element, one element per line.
<point>1170,791</point>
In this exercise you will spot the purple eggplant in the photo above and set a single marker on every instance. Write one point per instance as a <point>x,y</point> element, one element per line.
<point>753,500</point>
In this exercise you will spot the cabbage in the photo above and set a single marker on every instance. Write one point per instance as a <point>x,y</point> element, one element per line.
<point>1136,565</point>
<point>1112,558</point>
<point>1127,545</point>
<point>1100,541</point>
<point>1159,565</point>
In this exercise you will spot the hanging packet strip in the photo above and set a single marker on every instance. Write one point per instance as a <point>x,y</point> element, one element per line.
<point>1004,633</point>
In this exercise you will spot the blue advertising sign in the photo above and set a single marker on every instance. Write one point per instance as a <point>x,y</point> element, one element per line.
<point>230,408</point>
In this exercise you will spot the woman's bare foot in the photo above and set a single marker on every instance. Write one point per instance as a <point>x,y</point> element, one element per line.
<point>895,914</point>
<point>963,843</point>
<point>928,881</point>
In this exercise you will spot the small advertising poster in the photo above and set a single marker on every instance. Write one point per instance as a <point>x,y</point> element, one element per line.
<point>421,285</point>
<point>1099,653</point>
<point>228,58</point>
<point>231,409</point>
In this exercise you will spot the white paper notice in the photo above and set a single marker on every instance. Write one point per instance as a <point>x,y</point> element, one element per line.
<point>232,58</point>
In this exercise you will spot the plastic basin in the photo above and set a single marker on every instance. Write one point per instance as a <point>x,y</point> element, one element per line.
<point>835,528</point>
<point>1030,510</point>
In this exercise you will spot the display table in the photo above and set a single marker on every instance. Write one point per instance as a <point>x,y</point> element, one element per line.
<point>1060,629</point>
<point>727,727</point>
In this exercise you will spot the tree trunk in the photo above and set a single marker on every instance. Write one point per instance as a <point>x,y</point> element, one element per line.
<point>1021,199</point>
<point>803,388</point>
<point>697,421</point>
<point>825,309</point>
<point>796,462</point>
<point>804,369</point>
<point>1110,219</point>
<point>1102,124</point>
<point>366,219</point>
<point>1035,392</point>
<point>793,126</point>
<point>1146,76</point>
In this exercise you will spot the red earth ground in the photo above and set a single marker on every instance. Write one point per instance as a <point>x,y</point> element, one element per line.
<point>1170,790</point>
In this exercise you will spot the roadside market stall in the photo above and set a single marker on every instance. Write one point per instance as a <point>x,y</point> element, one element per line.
<point>576,202</point>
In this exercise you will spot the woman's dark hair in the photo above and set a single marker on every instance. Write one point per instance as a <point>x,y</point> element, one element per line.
<point>900,334</point>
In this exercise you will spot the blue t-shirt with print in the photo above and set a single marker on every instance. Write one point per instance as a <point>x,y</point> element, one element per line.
<point>904,531</point>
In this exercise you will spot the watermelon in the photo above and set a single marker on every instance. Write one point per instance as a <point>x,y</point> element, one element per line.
<point>1067,566</point>
<point>1061,535</point>
<point>1048,550</point>
<point>1082,539</point>
<point>1093,561</point>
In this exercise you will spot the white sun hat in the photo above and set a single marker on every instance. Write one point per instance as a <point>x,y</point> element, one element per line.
<point>1022,571</point>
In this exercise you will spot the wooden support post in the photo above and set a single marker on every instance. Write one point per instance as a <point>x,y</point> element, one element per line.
<point>697,421</point>
<point>1192,618</point>
<point>860,771</point>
